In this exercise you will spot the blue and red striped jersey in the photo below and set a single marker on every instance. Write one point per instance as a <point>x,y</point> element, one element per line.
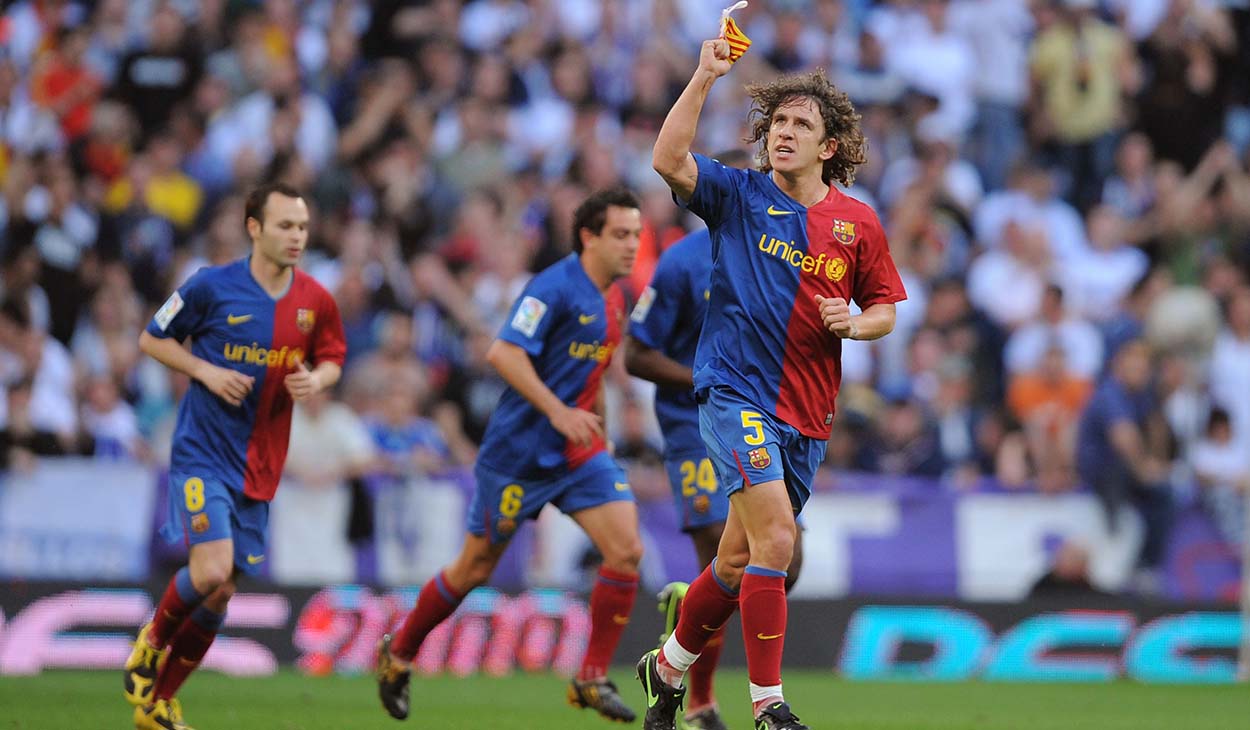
<point>234,323</point>
<point>668,318</point>
<point>570,331</point>
<point>763,336</point>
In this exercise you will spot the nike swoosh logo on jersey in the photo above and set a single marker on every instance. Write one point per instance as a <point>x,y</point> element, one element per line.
<point>586,318</point>
<point>620,620</point>
<point>768,637</point>
<point>254,559</point>
<point>774,211</point>
<point>234,319</point>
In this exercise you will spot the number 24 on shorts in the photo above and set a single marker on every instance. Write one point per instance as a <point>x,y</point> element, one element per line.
<point>696,475</point>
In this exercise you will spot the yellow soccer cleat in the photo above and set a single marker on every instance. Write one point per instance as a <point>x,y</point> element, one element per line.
<point>141,669</point>
<point>161,715</point>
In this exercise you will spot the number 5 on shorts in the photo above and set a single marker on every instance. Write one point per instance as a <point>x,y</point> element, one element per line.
<point>754,424</point>
<point>193,490</point>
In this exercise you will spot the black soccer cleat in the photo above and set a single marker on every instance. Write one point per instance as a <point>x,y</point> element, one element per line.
<point>663,700</point>
<point>601,696</point>
<point>777,716</point>
<point>392,681</point>
<point>705,719</point>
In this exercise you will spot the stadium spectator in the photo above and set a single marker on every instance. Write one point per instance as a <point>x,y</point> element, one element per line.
<point>1120,453</point>
<point>330,446</point>
<point>1082,345</point>
<point>1222,468</point>
<point>1083,67</point>
<point>162,72</point>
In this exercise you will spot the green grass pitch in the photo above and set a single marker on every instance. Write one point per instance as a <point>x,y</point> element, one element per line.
<point>62,700</point>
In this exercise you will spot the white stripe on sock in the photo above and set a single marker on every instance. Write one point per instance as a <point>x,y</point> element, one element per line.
<point>759,694</point>
<point>676,655</point>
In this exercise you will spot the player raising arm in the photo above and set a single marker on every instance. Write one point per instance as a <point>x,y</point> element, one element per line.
<point>789,252</point>
<point>660,347</point>
<point>255,324</point>
<point>545,444</point>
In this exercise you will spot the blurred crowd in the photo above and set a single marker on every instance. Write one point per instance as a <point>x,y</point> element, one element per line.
<point>1065,185</point>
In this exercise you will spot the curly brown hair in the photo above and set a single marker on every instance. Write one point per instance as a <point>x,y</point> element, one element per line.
<point>841,121</point>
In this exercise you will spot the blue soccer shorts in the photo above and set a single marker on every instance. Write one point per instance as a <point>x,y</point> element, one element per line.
<point>501,502</point>
<point>202,509</point>
<point>696,490</point>
<point>748,445</point>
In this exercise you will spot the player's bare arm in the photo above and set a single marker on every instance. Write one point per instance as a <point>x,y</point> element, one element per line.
<point>671,154</point>
<point>231,386</point>
<point>873,323</point>
<point>304,382</point>
<point>515,367</point>
<point>651,364</point>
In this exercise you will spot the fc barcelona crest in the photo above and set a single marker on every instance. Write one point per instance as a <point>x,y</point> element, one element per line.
<point>844,231</point>
<point>759,458</point>
<point>305,320</point>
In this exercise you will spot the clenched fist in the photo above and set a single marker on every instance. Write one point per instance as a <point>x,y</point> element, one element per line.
<point>835,313</point>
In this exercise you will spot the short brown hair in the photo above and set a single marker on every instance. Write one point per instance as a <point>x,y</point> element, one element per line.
<point>836,111</point>
<point>593,212</point>
<point>255,205</point>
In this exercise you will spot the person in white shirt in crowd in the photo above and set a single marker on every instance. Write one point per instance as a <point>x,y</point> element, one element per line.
<point>110,422</point>
<point>1230,367</point>
<point>1099,279</point>
<point>1081,341</point>
<point>329,446</point>
<point>1222,470</point>
<point>1021,264</point>
<point>998,32</point>
<point>1030,200</point>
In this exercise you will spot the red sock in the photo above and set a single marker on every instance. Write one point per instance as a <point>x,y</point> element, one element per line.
<point>179,600</point>
<point>435,602</point>
<point>763,602</point>
<point>707,606</point>
<point>611,602</point>
<point>186,650</point>
<point>699,678</point>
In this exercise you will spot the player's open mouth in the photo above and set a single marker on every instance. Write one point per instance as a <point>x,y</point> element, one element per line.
<point>783,150</point>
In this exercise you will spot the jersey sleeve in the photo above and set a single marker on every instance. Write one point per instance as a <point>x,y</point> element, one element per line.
<point>530,320</point>
<point>717,191</point>
<point>330,344</point>
<point>876,278</point>
<point>184,312</point>
<point>655,315</point>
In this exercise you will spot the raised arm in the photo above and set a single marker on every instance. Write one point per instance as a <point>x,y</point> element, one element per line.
<point>671,155</point>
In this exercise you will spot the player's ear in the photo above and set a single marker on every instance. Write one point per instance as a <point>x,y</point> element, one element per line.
<point>253,227</point>
<point>831,149</point>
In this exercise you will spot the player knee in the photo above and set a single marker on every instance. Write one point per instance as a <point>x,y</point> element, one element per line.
<point>625,557</point>
<point>220,597</point>
<point>211,576</point>
<point>773,549</point>
<point>730,567</point>
<point>473,569</point>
